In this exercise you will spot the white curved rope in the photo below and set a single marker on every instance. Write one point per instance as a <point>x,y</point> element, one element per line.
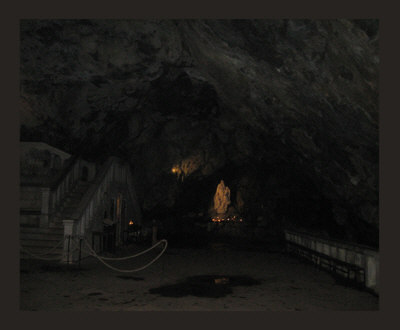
<point>133,256</point>
<point>40,255</point>
<point>93,253</point>
<point>43,258</point>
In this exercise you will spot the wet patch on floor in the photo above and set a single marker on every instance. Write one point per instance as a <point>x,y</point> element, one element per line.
<point>213,286</point>
<point>133,278</point>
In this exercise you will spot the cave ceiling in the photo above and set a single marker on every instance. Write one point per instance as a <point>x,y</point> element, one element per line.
<point>285,111</point>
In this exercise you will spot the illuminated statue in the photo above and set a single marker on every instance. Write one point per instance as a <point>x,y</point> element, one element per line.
<point>222,198</point>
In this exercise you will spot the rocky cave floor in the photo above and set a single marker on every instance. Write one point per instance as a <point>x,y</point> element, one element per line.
<point>216,277</point>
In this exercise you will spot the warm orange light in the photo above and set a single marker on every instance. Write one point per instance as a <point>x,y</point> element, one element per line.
<point>130,223</point>
<point>232,219</point>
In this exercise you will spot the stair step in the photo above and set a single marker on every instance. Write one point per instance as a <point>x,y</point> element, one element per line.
<point>71,204</point>
<point>77,193</point>
<point>25,254</point>
<point>39,230</point>
<point>81,188</point>
<point>42,253</point>
<point>55,237</point>
<point>68,212</point>
<point>70,209</point>
<point>56,225</point>
<point>41,248</point>
<point>69,215</point>
<point>74,196</point>
<point>73,199</point>
<point>45,244</point>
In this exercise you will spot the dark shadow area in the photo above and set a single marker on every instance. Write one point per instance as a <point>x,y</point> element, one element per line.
<point>53,268</point>
<point>213,286</point>
<point>45,266</point>
<point>132,278</point>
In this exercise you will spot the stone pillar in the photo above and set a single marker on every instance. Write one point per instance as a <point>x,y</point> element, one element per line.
<point>44,217</point>
<point>372,268</point>
<point>68,245</point>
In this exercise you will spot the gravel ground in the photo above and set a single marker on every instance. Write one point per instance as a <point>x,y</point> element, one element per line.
<point>278,282</point>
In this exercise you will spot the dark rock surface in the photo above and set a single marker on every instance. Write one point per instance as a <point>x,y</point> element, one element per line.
<point>284,111</point>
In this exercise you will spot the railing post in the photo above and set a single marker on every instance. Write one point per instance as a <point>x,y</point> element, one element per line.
<point>372,272</point>
<point>68,230</point>
<point>69,248</point>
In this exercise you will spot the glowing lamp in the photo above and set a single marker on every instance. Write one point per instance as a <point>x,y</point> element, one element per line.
<point>130,223</point>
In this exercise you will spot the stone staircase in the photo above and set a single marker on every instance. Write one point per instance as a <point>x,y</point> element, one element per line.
<point>41,240</point>
<point>71,202</point>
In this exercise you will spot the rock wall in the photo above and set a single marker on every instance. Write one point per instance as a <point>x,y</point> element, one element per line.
<point>285,110</point>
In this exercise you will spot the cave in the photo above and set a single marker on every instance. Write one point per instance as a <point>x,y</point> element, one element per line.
<point>283,112</point>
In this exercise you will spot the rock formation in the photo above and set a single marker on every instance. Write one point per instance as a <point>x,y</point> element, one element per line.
<point>222,198</point>
<point>286,110</point>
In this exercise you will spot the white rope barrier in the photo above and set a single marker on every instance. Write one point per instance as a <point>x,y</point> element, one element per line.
<point>41,255</point>
<point>132,256</point>
<point>101,259</point>
<point>42,258</point>
<point>90,251</point>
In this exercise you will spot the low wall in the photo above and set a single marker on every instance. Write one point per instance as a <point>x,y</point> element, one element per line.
<point>362,256</point>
